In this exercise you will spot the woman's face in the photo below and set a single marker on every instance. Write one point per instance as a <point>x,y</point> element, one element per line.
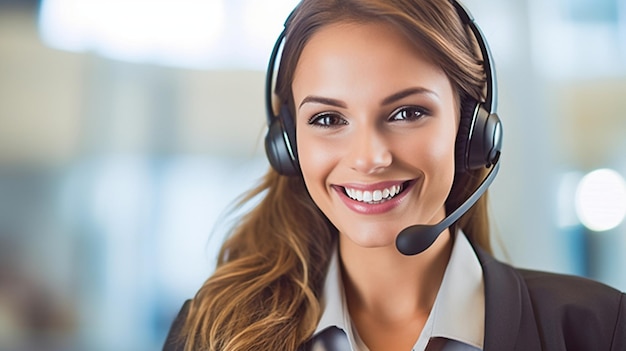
<point>376,124</point>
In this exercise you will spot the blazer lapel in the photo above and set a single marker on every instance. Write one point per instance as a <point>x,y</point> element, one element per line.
<point>509,319</point>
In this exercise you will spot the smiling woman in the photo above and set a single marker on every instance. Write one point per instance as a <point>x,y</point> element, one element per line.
<point>386,121</point>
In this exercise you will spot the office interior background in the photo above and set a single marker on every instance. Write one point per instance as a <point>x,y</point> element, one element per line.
<point>129,128</point>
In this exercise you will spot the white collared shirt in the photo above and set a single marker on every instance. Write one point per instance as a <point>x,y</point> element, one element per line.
<point>458,314</point>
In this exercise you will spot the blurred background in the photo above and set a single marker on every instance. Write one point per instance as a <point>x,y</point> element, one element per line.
<point>128,128</point>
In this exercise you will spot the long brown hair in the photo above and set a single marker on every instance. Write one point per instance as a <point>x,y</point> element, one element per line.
<point>264,293</point>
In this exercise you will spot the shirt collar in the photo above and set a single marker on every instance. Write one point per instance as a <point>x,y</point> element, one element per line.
<point>459,309</point>
<point>458,312</point>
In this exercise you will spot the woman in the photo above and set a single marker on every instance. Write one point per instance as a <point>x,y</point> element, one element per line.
<point>376,100</point>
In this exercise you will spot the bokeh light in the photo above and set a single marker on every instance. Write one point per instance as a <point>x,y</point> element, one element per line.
<point>601,200</point>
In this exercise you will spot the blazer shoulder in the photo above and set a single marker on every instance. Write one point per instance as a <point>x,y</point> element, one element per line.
<point>586,312</point>
<point>562,289</point>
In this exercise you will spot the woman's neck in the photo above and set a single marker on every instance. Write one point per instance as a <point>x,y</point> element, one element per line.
<point>384,287</point>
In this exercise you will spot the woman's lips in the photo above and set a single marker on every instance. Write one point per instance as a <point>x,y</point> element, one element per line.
<point>373,198</point>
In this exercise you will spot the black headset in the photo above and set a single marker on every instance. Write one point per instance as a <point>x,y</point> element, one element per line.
<point>478,141</point>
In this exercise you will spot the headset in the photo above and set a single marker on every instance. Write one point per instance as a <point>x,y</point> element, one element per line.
<point>478,141</point>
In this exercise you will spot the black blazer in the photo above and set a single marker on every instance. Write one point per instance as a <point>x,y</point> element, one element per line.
<point>524,311</point>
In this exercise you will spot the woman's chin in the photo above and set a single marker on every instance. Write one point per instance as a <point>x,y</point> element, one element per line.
<point>370,239</point>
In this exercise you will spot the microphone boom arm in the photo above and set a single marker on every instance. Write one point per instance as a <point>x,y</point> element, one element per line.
<point>417,238</point>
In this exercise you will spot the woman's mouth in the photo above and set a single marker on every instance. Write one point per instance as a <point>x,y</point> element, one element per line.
<point>374,198</point>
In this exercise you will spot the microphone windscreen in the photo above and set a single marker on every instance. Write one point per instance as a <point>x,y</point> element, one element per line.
<point>417,238</point>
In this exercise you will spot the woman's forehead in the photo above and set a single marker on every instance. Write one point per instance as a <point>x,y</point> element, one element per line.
<point>348,56</point>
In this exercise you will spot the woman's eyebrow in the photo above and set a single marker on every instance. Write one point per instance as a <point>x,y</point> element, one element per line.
<point>388,100</point>
<point>407,92</point>
<point>323,100</point>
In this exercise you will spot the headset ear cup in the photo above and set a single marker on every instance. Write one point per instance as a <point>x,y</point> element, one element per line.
<point>280,144</point>
<point>485,140</point>
<point>468,107</point>
<point>479,139</point>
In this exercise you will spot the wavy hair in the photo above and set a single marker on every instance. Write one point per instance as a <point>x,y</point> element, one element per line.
<point>265,291</point>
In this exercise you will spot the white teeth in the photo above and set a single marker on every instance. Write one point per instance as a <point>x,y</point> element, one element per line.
<point>377,195</point>
<point>373,196</point>
<point>367,196</point>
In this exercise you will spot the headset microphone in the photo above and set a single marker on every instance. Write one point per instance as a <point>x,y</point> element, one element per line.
<point>417,238</point>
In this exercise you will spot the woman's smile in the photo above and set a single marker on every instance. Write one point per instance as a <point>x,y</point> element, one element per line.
<point>373,198</point>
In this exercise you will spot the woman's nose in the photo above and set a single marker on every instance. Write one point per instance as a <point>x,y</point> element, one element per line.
<point>369,151</point>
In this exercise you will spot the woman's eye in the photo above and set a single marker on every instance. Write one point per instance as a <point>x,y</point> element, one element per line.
<point>327,120</point>
<point>408,113</point>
